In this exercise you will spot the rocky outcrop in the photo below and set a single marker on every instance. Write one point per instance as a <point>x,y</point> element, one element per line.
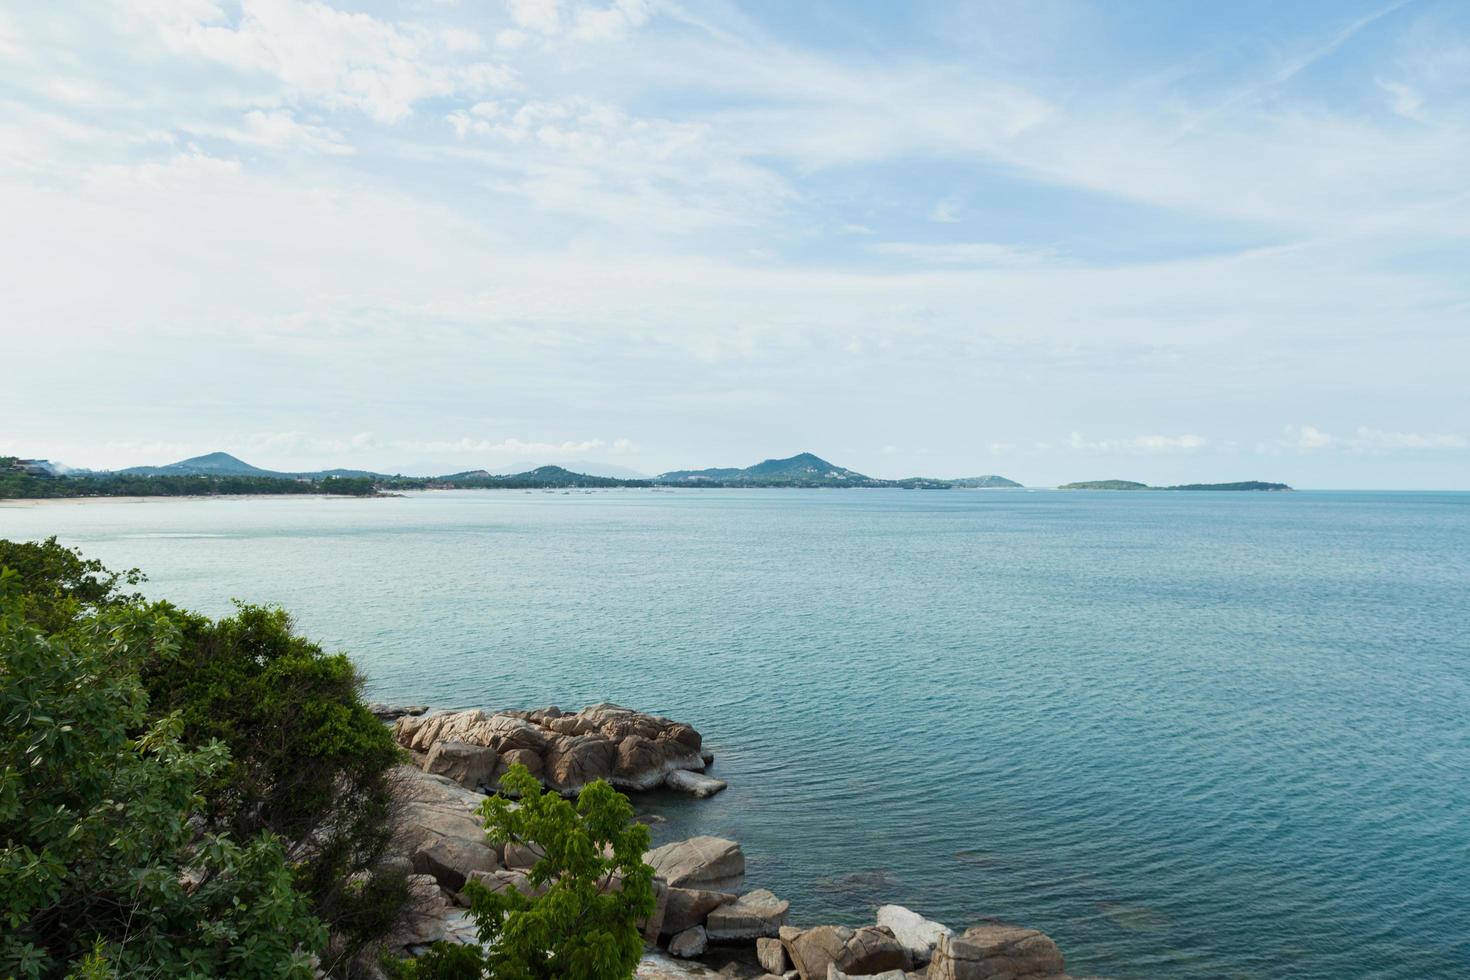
<point>629,749</point>
<point>914,933</point>
<point>996,952</point>
<point>751,916</point>
<point>392,712</point>
<point>704,863</point>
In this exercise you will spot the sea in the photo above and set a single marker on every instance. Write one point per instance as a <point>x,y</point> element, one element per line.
<point>1185,734</point>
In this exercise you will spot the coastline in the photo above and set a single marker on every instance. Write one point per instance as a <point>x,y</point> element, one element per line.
<point>39,501</point>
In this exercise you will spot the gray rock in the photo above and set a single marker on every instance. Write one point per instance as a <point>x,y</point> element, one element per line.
<point>507,879</point>
<point>751,916</point>
<point>523,856</point>
<point>689,906</point>
<point>696,784</point>
<point>772,956</point>
<point>996,953</point>
<point>914,933</point>
<point>835,974</point>
<point>451,859</point>
<point>422,921</point>
<point>708,863</point>
<point>469,765</point>
<point>689,943</point>
<point>392,712</point>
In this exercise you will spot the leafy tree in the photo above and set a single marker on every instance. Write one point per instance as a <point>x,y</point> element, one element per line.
<point>104,870</point>
<point>585,927</point>
<point>56,584</point>
<point>309,763</point>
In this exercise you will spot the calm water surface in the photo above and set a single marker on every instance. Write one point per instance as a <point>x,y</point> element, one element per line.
<point>1188,735</point>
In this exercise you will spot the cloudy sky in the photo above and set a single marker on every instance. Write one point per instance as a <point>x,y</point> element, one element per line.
<point>1051,240</point>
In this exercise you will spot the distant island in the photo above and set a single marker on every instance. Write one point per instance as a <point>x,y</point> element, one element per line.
<point>1131,485</point>
<point>219,473</point>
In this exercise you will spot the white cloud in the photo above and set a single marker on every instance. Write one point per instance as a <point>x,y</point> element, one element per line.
<point>1371,439</point>
<point>536,15</point>
<point>945,212</point>
<point>1147,445</point>
<point>322,55</point>
<point>964,253</point>
<point>1407,100</point>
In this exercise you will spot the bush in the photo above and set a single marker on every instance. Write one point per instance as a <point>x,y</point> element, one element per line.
<point>310,764</point>
<point>585,927</point>
<point>105,870</point>
<point>57,585</point>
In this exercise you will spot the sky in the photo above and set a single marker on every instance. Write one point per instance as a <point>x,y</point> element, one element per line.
<point>1052,240</point>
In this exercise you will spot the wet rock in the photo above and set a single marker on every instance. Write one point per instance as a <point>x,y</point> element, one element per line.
<point>696,784</point>
<point>996,952</point>
<point>706,863</point>
<point>914,933</point>
<point>392,712</point>
<point>751,916</point>
<point>689,943</point>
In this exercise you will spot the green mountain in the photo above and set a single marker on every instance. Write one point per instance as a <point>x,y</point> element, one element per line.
<point>1105,485</point>
<point>989,482</point>
<point>210,464</point>
<point>1246,485</point>
<point>801,470</point>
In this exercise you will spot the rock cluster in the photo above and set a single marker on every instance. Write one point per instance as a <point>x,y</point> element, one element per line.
<point>702,906</point>
<point>630,750</point>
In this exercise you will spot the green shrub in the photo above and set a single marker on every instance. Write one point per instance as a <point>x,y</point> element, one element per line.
<point>585,927</point>
<point>309,763</point>
<point>56,584</point>
<point>104,869</point>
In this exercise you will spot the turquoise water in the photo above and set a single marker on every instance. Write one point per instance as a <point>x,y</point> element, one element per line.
<point>1188,735</point>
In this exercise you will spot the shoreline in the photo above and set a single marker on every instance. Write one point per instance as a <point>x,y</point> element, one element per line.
<point>157,498</point>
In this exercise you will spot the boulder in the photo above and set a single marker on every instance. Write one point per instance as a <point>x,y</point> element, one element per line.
<point>653,925</point>
<point>469,765</point>
<point>772,956</point>
<point>506,879</point>
<point>451,859</point>
<point>423,916</point>
<point>696,784</point>
<point>526,757</point>
<point>996,952</point>
<point>392,712</point>
<point>867,950</point>
<point>914,933</point>
<point>689,943</point>
<point>689,906</point>
<point>707,863</point>
<point>751,916</point>
<point>573,761</point>
<point>523,856</point>
<point>835,974</point>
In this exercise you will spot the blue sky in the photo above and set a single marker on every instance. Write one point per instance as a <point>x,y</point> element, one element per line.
<point>1053,240</point>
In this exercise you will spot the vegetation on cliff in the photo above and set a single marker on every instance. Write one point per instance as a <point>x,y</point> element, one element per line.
<point>1246,485</point>
<point>182,796</point>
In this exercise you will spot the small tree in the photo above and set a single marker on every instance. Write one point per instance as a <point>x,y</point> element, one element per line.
<point>585,926</point>
<point>103,869</point>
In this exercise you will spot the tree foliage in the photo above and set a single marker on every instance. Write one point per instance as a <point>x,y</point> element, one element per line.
<point>585,925</point>
<point>55,584</point>
<point>309,763</point>
<point>105,870</point>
